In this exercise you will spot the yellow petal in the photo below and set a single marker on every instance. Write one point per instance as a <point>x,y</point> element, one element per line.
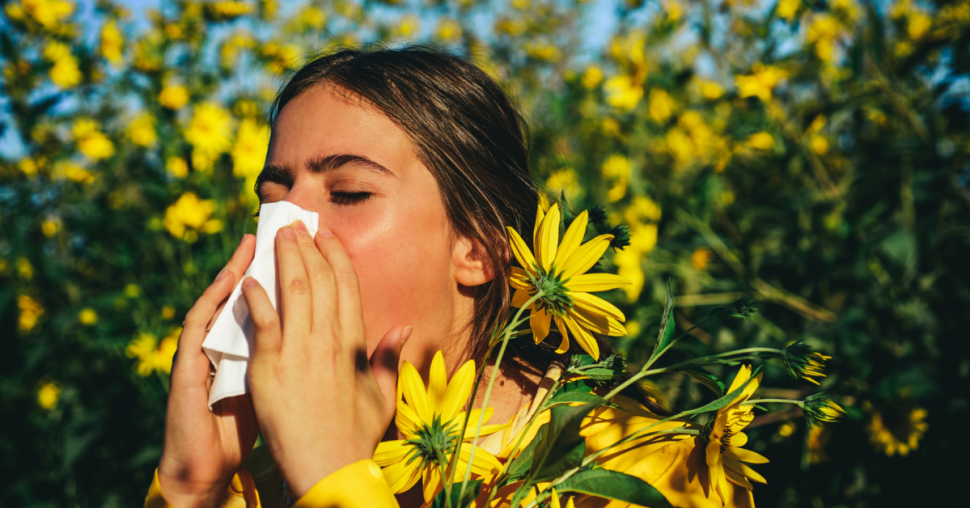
<point>737,479</point>
<point>431,480</point>
<point>414,391</point>
<point>595,282</point>
<point>743,469</point>
<point>740,378</point>
<point>520,279</point>
<point>401,476</point>
<point>520,297</point>
<point>521,251</point>
<point>406,419</point>
<point>570,503</point>
<point>572,239</point>
<point>540,214</point>
<point>583,337</point>
<point>539,321</point>
<point>739,439</point>
<point>595,305</point>
<point>460,387</point>
<point>598,323</point>
<point>554,500</point>
<point>547,239</point>
<point>389,452</point>
<point>564,345</point>
<point>438,381</point>
<point>746,455</point>
<point>473,421</point>
<point>584,257</point>
<point>485,462</point>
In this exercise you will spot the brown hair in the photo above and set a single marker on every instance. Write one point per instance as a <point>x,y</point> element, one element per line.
<point>473,140</point>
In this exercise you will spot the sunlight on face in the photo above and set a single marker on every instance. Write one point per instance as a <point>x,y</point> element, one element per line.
<point>345,160</point>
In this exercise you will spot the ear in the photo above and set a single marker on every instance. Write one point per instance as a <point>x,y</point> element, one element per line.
<point>472,266</point>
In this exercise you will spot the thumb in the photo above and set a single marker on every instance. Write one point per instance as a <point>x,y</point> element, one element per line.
<point>385,360</point>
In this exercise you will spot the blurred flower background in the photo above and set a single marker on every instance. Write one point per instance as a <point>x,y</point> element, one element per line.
<point>812,154</point>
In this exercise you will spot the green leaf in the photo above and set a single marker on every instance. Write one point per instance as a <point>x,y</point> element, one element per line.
<point>561,447</point>
<point>707,379</point>
<point>604,370</point>
<point>727,399</point>
<point>520,466</point>
<point>665,336</point>
<point>570,397</point>
<point>613,485</point>
<point>471,492</point>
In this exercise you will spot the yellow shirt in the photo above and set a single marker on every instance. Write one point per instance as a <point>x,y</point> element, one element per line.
<point>673,464</point>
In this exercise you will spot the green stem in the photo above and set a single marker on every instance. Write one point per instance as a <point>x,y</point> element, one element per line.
<point>645,372</point>
<point>491,384</point>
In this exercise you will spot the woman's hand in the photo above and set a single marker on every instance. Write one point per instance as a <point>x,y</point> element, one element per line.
<point>204,449</point>
<point>320,403</point>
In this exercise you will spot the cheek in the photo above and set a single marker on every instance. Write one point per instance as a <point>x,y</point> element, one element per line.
<point>403,267</point>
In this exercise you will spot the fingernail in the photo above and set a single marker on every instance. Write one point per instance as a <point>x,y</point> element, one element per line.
<point>248,282</point>
<point>301,227</point>
<point>326,233</point>
<point>221,275</point>
<point>289,232</point>
<point>406,334</point>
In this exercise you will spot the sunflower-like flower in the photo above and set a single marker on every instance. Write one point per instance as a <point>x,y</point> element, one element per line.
<point>895,430</point>
<point>819,408</point>
<point>431,421</point>
<point>801,362</point>
<point>558,270</point>
<point>724,456</point>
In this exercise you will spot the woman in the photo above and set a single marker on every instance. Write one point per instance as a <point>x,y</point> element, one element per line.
<point>416,163</point>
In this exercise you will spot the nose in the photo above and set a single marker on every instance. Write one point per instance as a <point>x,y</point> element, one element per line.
<point>307,193</point>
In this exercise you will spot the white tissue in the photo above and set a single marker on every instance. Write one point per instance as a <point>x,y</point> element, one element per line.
<point>230,340</point>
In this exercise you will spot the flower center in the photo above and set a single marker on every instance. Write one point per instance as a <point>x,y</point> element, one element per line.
<point>554,299</point>
<point>432,441</point>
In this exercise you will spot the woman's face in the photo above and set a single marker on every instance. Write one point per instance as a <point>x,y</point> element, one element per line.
<point>332,154</point>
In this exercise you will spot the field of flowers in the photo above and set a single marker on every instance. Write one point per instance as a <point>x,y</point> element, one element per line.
<point>811,154</point>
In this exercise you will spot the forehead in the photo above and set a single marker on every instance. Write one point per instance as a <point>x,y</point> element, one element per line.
<point>325,120</point>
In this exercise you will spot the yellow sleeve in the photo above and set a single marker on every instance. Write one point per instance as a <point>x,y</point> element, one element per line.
<point>360,484</point>
<point>241,494</point>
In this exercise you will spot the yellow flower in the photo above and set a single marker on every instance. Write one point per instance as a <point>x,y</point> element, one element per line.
<point>48,395</point>
<point>30,312</point>
<point>701,257</point>
<point>91,141</point>
<point>897,430</point>
<point>710,89</point>
<point>592,77</point>
<point>642,209</point>
<point>761,141</point>
<point>554,501</point>
<point>65,72</point>
<point>111,43</point>
<point>724,457</point>
<point>622,92</point>
<point>168,312</point>
<point>565,181</point>
<point>141,130</point>
<point>559,271</point>
<point>72,172</point>
<point>661,105</point>
<point>431,421</point>
<point>25,269</point>
<point>228,9</point>
<point>87,316</point>
<point>177,167</point>
<point>27,166</point>
<point>787,9</point>
<point>406,27</point>
<point>189,215</point>
<point>209,133</point>
<point>173,96</point>
<point>48,12</point>
<point>132,290</point>
<point>918,25</point>
<point>448,30</point>
<point>629,266</point>
<point>51,226</point>
<point>760,83</point>
<point>151,355</point>
<point>249,152</point>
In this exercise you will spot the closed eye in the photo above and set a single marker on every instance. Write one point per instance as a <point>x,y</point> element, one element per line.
<point>349,198</point>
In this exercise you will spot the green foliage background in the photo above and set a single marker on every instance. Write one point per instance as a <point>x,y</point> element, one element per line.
<point>810,154</point>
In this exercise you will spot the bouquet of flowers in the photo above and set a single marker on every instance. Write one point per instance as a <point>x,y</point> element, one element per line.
<point>546,454</point>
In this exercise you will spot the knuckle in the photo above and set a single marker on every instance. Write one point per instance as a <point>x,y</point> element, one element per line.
<point>299,286</point>
<point>265,322</point>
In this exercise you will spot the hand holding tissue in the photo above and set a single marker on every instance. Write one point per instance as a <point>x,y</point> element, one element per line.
<point>230,340</point>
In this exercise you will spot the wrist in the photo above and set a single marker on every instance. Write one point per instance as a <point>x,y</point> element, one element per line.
<point>305,476</point>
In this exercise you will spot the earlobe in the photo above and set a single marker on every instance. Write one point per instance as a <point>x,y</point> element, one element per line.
<point>472,264</point>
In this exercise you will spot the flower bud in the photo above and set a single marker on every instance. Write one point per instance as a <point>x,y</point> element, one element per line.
<point>801,362</point>
<point>820,408</point>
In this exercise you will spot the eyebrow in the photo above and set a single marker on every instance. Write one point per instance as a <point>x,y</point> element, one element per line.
<point>281,174</point>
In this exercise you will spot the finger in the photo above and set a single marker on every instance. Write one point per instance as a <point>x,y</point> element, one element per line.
<point>192,360</point>
<point>235,268</point>
<point>348,290</point>
<point>295,297</point>
<point>266,322</point>
<point>384,363</point>
<point>323,290</point>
